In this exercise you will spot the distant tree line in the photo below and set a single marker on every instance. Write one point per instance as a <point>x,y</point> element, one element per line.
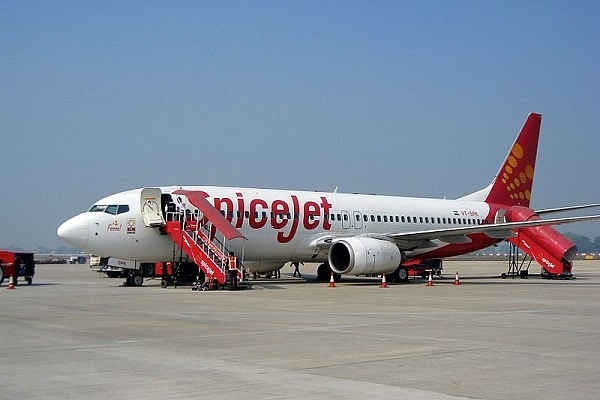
<point>584,243</point>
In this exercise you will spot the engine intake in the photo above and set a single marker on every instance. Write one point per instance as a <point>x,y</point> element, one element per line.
<point>362,255</point>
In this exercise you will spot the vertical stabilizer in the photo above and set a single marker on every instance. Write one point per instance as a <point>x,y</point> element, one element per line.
<point>514,181</point>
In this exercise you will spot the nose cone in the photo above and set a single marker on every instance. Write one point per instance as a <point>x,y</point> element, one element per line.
<point>75,231</point>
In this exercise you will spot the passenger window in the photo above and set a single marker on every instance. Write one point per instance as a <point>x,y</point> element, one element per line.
<point>345,217</point>
<point>365,218</point>
<point>385,218</point>
<point>372,218</point>
<point>426,220</point>
<point>379,218</point>
<point>403,219</point>
<point>421,219</point>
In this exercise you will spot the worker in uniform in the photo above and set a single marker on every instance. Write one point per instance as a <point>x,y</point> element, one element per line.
<point>233,270</point>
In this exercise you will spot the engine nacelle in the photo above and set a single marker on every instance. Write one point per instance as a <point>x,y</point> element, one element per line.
<point>544,244</point>
<point>362,256</point>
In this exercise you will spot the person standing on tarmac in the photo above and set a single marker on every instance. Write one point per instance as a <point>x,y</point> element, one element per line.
<point>296,266</point>
<point>232,265</point>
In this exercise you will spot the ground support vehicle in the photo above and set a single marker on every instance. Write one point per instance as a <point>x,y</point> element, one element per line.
<point>179,273</point>
<point>16,264</point>
<point>133,271</point>
<point>417,269</point>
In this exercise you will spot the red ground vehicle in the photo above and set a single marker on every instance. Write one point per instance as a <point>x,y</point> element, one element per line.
<point>16,264</point>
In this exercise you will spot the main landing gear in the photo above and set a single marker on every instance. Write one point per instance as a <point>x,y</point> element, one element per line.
<point>324,273</point>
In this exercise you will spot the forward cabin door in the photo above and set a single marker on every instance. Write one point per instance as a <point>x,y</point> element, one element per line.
<point>151,207</point>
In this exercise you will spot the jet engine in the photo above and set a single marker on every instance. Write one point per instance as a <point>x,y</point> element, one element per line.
<point>549,248</point>
<point>363,255</point>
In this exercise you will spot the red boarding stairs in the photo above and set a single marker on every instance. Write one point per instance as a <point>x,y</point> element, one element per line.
<point>553,251</point>
<point>196,234</point>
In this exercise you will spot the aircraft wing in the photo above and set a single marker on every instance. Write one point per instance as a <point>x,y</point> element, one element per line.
<point>496,231</point>
<point>570,208</point>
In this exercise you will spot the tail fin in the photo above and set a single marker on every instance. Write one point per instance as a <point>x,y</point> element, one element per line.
<point>514,181</point>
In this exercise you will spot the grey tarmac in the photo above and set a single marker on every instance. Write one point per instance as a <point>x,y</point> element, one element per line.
<point>77,334</point>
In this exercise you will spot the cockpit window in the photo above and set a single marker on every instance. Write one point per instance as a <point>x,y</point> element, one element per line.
<point>113,209</point>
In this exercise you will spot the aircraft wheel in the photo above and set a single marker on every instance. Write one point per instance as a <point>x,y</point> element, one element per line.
<point>503,276</point>
<point>136,279</point>
<point>29,280</point>
<point>402,274</point>
<point>1,275</point>
<point>164,283</point>
<point>392,276</point>
<point>324,272</point>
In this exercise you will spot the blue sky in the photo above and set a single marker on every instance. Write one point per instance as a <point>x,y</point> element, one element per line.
<point>416,98</point>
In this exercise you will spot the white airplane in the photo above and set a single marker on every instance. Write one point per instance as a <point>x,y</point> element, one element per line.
<point>354,234</point>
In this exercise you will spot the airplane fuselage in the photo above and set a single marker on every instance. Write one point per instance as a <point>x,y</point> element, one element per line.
<point>279,225</point>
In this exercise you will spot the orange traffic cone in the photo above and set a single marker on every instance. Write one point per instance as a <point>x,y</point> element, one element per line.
<point>331,281</point>
<point>11,283</point>
<point>383,282</point>
<point>456,280</point>
<point>430,281</point>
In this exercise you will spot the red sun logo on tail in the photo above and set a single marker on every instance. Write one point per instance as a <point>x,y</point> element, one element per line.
<point>514,181</point>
